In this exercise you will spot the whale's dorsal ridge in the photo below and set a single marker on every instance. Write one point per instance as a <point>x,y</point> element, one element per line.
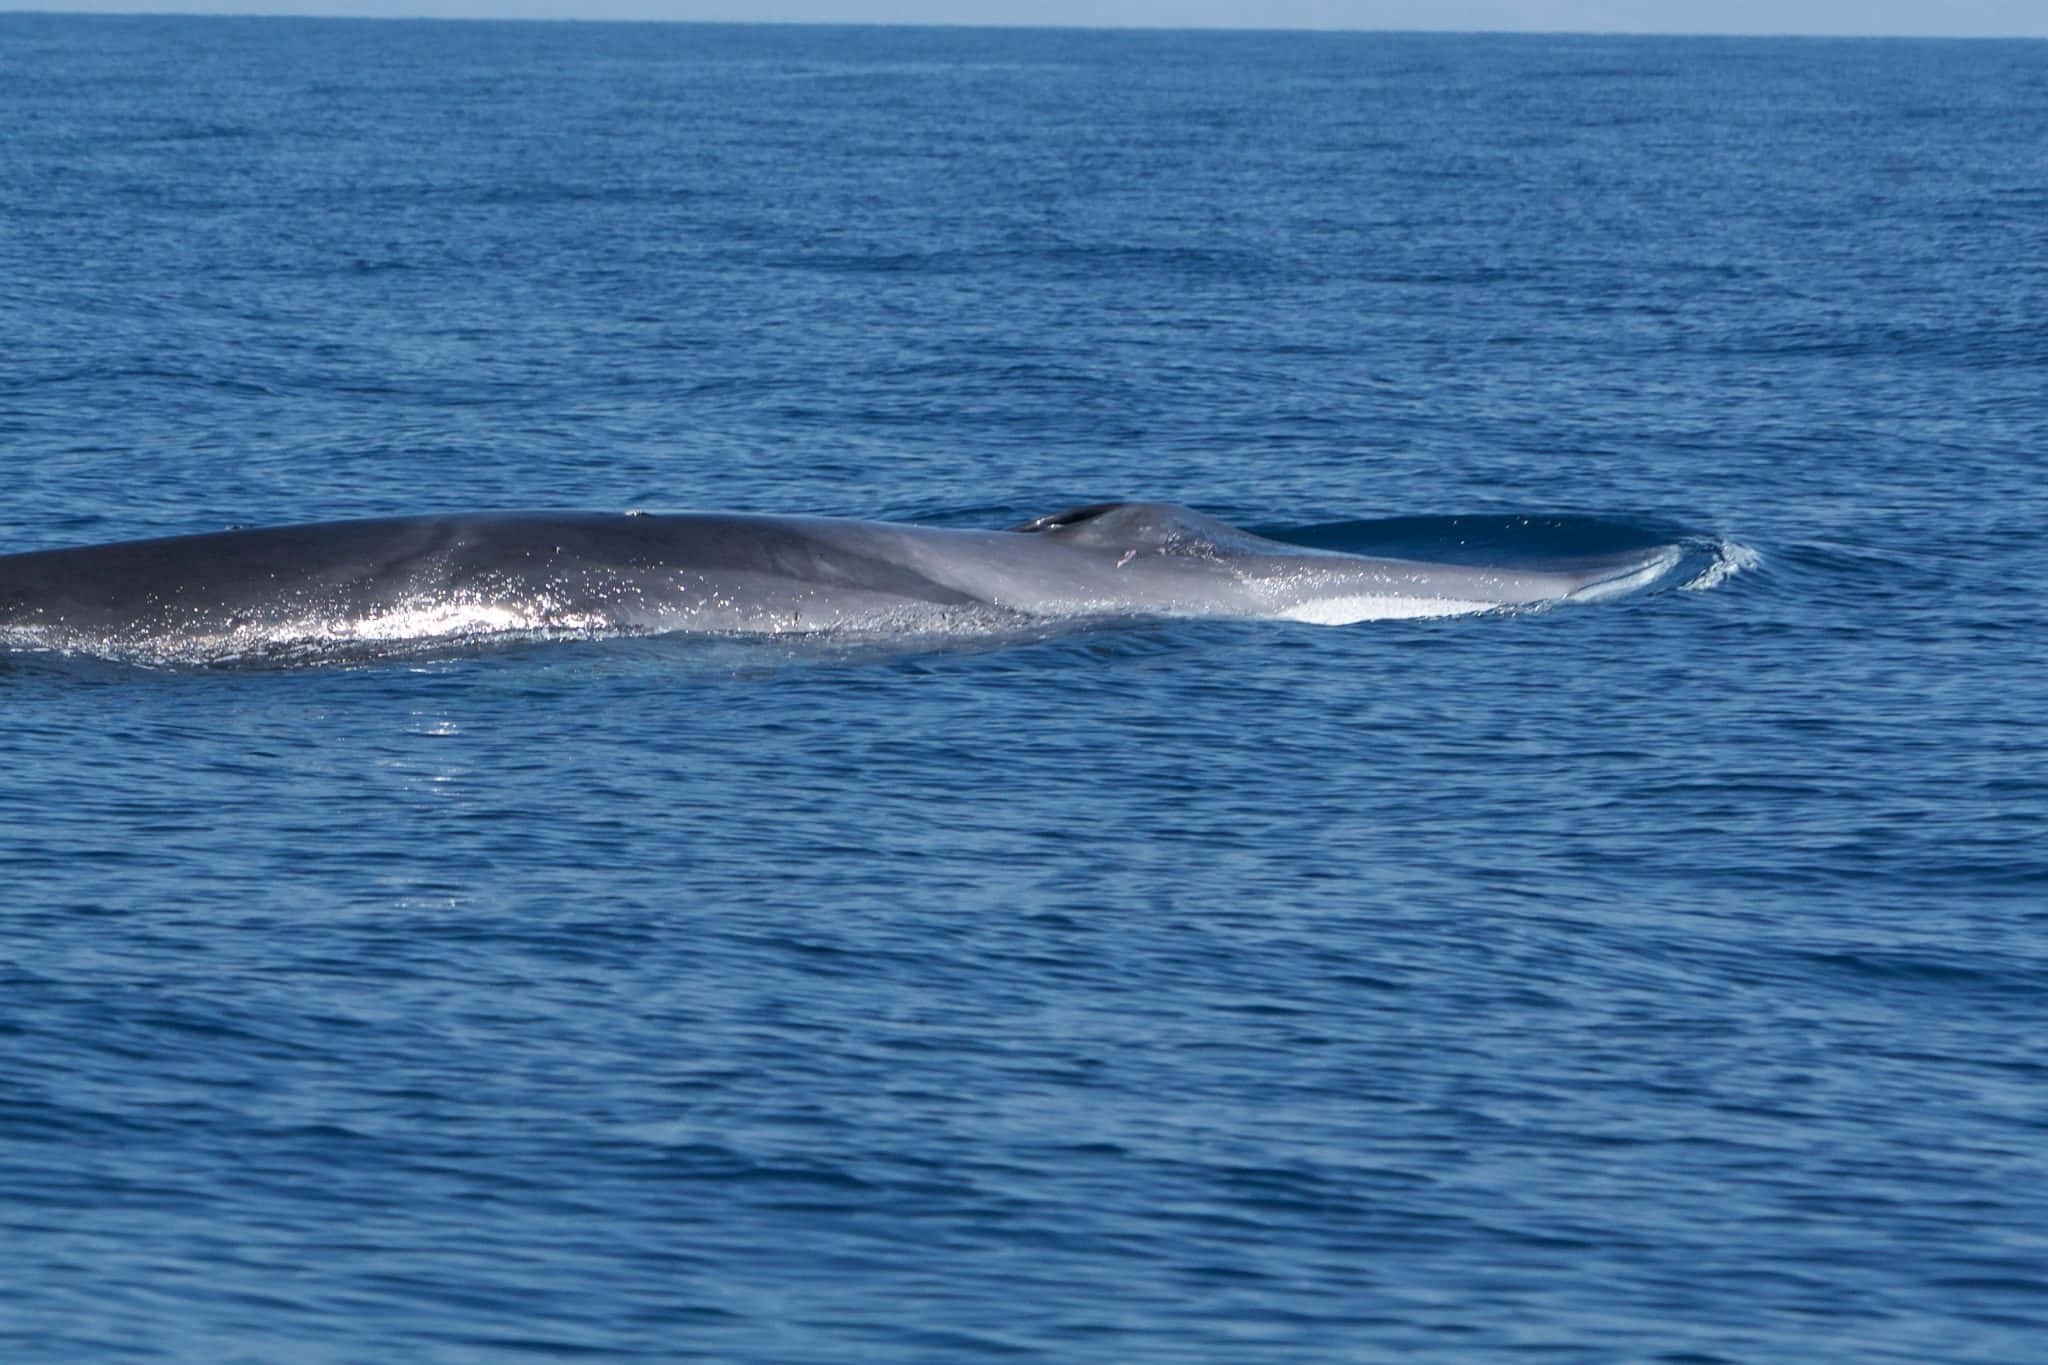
<point>1157,527</point>
<point>1072,516</point>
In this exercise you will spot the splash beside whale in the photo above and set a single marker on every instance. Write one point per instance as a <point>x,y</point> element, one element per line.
<point>350,588</point>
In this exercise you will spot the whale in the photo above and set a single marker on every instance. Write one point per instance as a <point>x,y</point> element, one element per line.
<point>342,588</point>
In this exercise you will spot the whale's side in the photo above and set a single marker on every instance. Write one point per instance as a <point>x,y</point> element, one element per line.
<point>291,590</point>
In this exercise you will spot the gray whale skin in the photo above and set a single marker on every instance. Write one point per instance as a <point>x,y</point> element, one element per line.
<point>372,585</point>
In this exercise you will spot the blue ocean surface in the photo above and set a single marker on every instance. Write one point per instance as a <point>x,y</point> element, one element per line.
<point>1662,978</point>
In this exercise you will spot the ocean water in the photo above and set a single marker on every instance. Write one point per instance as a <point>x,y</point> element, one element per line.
<point>1663,978</point>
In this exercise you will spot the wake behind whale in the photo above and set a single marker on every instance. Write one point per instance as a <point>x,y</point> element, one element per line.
<point>364,589</point>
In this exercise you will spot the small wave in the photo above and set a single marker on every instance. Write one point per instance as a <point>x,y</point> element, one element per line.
<point>1729,559</point>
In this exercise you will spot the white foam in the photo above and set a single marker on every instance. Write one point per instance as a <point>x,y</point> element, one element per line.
<point>432,619</point>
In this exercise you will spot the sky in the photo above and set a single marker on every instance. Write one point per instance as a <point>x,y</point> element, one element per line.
<point>1920,18</point>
